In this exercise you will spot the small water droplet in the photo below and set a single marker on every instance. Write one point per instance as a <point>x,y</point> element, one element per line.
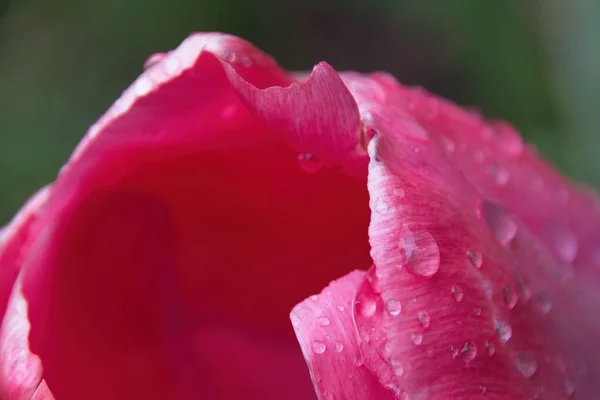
<point>341,308</point>
<point>488,290</point>
<point>543,304</point>
<point>397,367</point>
<point>309,163</point>
<point>468,351</point>
<point>503,330</point>
<point>416,338</point>
<point>491,349</point>
<point>526,364</point>
<point>153,60</point>
<point>569,387</point>
<point>502,225</point>
<point>318,347</point>
<point>457,293</point>
<point>477,311</point>
<point>482,389</point>
<point>510,297</point>
<point>314,297</point>
<point>475,258</point>
<point>366,306</point>
<point>359,361</point>
<point>424,319</point>
<point>565,244</point>
<point>323,321</point>
<point>524,291</point>
<point>448,145</point>
<point>508,138</point>
<point>339,347</point>
<point>499,174</point>
<point>421,252</point>
<point>393,307</point>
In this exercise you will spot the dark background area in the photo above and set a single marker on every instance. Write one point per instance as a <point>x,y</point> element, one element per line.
<point>534,63</point>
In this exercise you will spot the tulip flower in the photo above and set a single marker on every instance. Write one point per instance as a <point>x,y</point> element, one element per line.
<point>230,230</point>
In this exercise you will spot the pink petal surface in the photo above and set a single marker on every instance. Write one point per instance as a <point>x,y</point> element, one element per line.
<point>485,298</point>
<point>325,329</point>
<point>179,219</point>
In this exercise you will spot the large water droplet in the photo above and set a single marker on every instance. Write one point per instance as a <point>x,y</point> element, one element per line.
<point>526,364</point>
<point>393,307</point>
<point>510,296</point>
<point>475,258</point>
<point>421,252</point>
<point>468,351</point>
<point>323,321</point>
<point>318,347</point>
<point>503,330</point>
<point>416,338</point>
<point>309,163</point>
<point>457,293</point>
<point>424,319</point>
<point>502,225</point>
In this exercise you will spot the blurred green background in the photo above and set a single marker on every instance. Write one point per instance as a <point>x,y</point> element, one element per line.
<point>532,62</point>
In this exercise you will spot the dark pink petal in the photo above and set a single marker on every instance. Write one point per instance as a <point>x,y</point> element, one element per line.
<point>486,308</point>
<point>182,218</point>
<point>325,329</point>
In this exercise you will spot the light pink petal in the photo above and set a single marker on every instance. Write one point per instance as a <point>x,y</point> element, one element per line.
<point>325,329</point>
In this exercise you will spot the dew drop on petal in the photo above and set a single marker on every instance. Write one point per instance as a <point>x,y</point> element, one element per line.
<point>457,293</point>
<point>448,145</point>
<point>475,258</point>
<point>500,223</point>
<point>491,349</point>
<point>421,253</point>
<point>526,364</point>
<point>323,321</point>
<point>424,319</point>
<point>341,308</point>
<point>503,330</point>
<point>416,338</point>
<point>499,174</point>
<point>508,138</point>
<point>309,163</point>
<point>510,296</point>
<point>543,304</point>
<point>453,351</point>
<point>468,351</point>
<point>397,367</point>
<point>393,307</point>
<point>524,291</point>
<point>318,347</point>
<point>339,347</point>
<point>565,244</point>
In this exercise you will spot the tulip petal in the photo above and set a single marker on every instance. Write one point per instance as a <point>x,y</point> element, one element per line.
<point>325,329</point>
<point>182,212</point>
<point>485,305</point>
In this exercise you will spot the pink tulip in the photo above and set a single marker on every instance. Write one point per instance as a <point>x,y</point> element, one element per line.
<point>220,191</point>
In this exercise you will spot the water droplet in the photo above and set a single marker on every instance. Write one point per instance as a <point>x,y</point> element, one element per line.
<point>488,290</point>
<point>565,244</point>
<point>502,225</point>
<point>416,338</point>
<point>323,321</point>
<point>499,174</point>
<point>506,136</point>
<point>397,367</point>
<point>468,351</point>
<point>341,308</point>
<point>510,297</point>
<point>153,60</point>
<point>503,330</point>
<point>453,351</point>
<point>524,291</point>
<point>526,364</point>
<point>339,347</point>
<point>314,297</point>
<point>318,347</point>
<point>309,163</point>
<point>359,361</point>
<point>491,349</point>
<point>569,387</point>
<point>448,145</point>
<point>393,307</point>
<point>424,319</point>
<point>475,258</point>
<point>366,306</point>
<point>457,293</point>
<point>421,252</point>
<point>543,304</point>
<point>477,311</point>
